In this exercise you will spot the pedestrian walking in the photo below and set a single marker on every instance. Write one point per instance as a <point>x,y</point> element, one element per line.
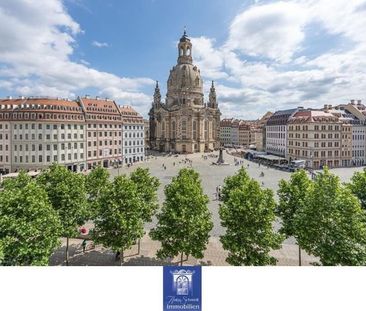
<point>84,245</point>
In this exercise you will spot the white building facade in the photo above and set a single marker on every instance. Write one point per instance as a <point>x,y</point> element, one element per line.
<point>133,141</point>
<point>276,132</point>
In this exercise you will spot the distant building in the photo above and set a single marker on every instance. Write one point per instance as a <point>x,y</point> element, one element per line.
<point>79,134</point>
<point>35,132</point>
<point>276,132</point>
<point>104,131</point>
<point>316,137</point>
<point>147,134</point>
<point>353,114</point>
<point>244,134</point>
<point>226,129</point>
<point>133,135</point>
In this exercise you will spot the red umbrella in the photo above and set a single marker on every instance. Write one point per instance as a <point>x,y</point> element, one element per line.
<point>83,230</point>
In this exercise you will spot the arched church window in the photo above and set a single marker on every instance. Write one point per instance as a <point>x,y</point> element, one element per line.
<point>206,130</point>
<point>195,130</point>
<point>184,129</point>
<point>163,129</point>
<point>197,81</point>
<point>188,52</point>
<point>181,52</point>
<point>173,129</point>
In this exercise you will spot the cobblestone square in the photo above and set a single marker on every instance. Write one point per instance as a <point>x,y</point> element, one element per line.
<point>212,176</point>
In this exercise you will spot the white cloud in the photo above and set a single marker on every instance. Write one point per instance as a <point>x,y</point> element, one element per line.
<point>209,59</point>
<point>36,44</point>
<point>273,30</point>
<point>266,65</point>
<point>100,44</point>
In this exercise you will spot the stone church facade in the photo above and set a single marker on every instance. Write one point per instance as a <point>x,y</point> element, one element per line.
<point>184,123</point>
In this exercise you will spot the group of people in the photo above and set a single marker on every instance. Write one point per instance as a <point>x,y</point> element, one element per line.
<point>218,193</point>
<point>238,162</point>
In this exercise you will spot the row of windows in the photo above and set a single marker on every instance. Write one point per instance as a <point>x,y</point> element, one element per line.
<point>134,143</point>
<point>105,126</point>
<point>2,158</point>
<point>134,127</point>
<point>47,126</point>
<point>316,127</point>
<point>276,135</point>
<point>48,158</point>
<point>116,151</point>
<point>106,143</point>
<point>47,136</point>
<point>33,116</point>
<point>134,135</point>
<point>322,154</point>
<point>48,147</point>
<point>316,144</point>
<point>105,134</point>
<point>6,147</point>
<point>134,150</point>
<point>358,153</point>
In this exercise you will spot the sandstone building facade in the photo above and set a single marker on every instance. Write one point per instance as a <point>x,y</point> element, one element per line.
<point>184,123</point>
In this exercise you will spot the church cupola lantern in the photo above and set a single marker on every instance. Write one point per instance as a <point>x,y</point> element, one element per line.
<point>185,50</point>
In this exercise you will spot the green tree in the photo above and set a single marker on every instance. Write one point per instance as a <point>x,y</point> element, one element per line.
<point>248,213</point>
<point>96,182</point>
<point>147,187</point>
<point>358,187</point>
<point>185,222</point>
<point>331,224</point>
<point>29,227</point>
<point>292,197</point>
<point>233,182</point>
<point>119,224</point>
<point>67,194</point>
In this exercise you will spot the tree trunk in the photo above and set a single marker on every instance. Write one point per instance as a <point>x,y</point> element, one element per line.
<point>67,251</point>
<point>122,257</point>
<point>138,246</point>
<point>181,259</point>
<point>299,256</point>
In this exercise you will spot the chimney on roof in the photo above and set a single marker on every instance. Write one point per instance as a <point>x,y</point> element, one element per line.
<point>352,101</point>
<point>97,97</point>
<point>359,102</point>
<point>300,107</point>
<point>325,107</point>
<point>87,96</point>
<point>9,97</point>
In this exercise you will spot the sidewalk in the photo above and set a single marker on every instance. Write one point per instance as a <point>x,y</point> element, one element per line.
<point>214,255</point>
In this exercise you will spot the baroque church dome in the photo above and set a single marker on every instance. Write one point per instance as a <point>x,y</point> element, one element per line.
<point>185,84</point>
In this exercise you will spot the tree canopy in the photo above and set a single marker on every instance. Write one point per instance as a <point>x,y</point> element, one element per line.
<point>96,182</point>
<point>292,197</point>
<point>119,223</point>
<point>331,225</point>
<point>29,227</point>
<point>184,222</point>
<point>358,187</point>
<point>147,187</point>
<point>248,213</point>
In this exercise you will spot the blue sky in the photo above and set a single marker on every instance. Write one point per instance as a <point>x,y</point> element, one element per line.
<point>263,55</point>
